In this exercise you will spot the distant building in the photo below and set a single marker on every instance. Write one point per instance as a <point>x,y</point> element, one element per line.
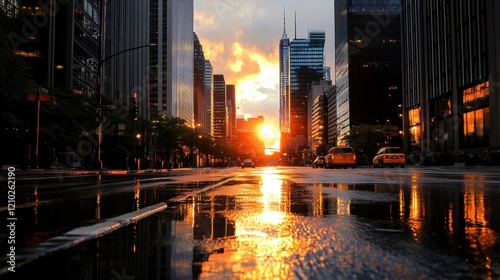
<point>301,63</point>
<point>306,65</point>
<point>208,127</point>
<point>199,84</point>
<point>231,113</point>
<point>284,61</point>
<point>368,63</point>
<point>333,132</point>
<point>451,59</point>
<point>220,108</point>
<point>318,116</point>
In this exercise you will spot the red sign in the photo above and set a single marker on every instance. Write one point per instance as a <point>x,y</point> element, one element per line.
<point>41,97</point>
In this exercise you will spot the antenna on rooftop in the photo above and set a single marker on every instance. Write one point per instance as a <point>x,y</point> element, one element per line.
<point>284,29</point>
<point>295,15</point>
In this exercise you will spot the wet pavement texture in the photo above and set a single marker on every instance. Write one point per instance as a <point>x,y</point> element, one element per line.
<point>266,225</point>
<point>51,205</point>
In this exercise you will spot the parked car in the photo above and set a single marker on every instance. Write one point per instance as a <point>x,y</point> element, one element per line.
<point>340,157</point>
<point>247,163</point>
<point>389,156</point>
<point>318,162</point>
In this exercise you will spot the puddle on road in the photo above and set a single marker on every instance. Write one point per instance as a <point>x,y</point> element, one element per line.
<point>44,217</point>
<point>266,227</point>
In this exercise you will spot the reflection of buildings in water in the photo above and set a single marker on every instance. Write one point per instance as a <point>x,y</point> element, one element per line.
<point>480,236</point>
<point>452,219</point>
<point>137,195</point>
<point>416,211</point>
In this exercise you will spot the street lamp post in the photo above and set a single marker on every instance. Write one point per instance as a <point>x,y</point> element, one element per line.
<point>99,117</point>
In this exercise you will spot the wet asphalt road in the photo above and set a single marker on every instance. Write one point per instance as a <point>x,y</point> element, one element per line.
<point>296,223</point>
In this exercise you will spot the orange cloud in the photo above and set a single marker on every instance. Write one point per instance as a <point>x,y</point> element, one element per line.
<point>203,20</point>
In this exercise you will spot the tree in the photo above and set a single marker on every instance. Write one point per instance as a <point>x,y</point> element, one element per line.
<point>367,138</point>
<point>172,133</point>
<point>15,84</point>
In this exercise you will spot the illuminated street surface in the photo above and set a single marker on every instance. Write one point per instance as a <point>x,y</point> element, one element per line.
<point>298,223</point>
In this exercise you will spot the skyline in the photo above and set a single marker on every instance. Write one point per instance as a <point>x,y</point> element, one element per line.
<point>241,40</point>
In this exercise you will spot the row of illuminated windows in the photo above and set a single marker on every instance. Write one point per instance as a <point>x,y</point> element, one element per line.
<point>473,98</point>
<point>476,96</point>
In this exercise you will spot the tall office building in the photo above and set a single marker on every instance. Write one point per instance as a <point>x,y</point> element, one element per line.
<point>231,113</point>
<point>451,69</point>
<point>318,116</point>
<point>306,66</point>
<point>208,127</point>
<point>127,28</point>
<point>284,53</point>
<point>368,63</point>
<point>75,40</point>
<point>172,60</point>
<point>199,83</point>
<point>220,108</point>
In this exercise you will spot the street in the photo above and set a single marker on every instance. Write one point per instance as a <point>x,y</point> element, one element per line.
<point>263,223</point>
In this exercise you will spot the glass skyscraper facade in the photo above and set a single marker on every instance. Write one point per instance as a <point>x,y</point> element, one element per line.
<point>368,63</point>
<point>306,65</point>
<point>284,53</point>
<point>180,65</point>
<point>220,108</point>
<point>172,64</point>
<point>127,27</point>
<point>208,127</point>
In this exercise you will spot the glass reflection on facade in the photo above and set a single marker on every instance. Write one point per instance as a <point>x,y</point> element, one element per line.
<point>180,65</point>
<point>368,63</point>
<point>284,52</point>
<point>172,64</point>
<point>448,65</point>
<point>306,66</point>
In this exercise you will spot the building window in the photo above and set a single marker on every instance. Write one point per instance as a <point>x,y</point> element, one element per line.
<point>476,96</point>
<point>414,116</point>
<point>476,127</point>
<point>476,115</point>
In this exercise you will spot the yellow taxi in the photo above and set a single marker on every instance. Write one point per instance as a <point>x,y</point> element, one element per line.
<point>389,156</point>
<point>340,157</point>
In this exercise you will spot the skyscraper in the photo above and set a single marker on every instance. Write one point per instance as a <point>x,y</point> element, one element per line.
<point>208,127</point>
<point>284,53</point>
<point>450,75</point>
<point>368,63</point>
<point>231,113</point>
<point>219,108</point>
<point>306,66</point>
<point>199,83</point>
<point>172,63</point>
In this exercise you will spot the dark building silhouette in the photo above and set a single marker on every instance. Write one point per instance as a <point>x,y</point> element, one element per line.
<point>368,63</point>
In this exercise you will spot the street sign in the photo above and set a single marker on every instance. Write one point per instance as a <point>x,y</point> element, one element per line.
<point>41,97</point>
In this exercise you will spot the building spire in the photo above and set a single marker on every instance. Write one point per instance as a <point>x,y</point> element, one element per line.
<point>295,24</point>
<point>284,36</point>
<point>284,23</point>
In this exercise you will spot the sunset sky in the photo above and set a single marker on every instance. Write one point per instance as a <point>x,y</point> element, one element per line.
<point>241,39</point>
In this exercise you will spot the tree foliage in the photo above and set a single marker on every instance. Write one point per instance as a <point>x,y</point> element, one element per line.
<point>367,139</point>
<point>15,80</point>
